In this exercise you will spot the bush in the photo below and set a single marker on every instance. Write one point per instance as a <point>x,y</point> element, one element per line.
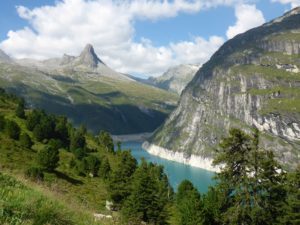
<point>12,129</point>
<point>25,140</point>
<point>20,112</point>
<point>106,141</point>
<point>79,153</point>
<point>2,122</point>
<point>92,164</point>
<point>48,158</point>
<point>77,140</point>
<point>104,168</point>
<point>34,173</point>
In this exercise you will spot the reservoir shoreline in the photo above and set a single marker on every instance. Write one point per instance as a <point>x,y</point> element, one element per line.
<point>193,160</point>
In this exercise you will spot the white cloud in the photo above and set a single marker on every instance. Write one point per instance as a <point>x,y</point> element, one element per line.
<point>248,16</point>
<point>109,25</point>
<point>293,3</point>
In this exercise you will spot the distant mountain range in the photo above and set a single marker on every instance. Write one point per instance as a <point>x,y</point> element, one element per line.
<point>176,78</point>
<point>86,90</point>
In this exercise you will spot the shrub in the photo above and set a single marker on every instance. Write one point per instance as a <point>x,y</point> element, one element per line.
<point>12,129</point>
<point>20,112</point>
<point>104,168</point>
<point>25,140</point>
<point>48,158</point>
<point>92,164</point>
<point>34,173</point>
<point>2,122</point>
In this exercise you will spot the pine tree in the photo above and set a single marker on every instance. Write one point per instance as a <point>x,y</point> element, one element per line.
<point>147,202</point>
<point>251,180</point>
<point>48,158</point>
<point>292,208</point>
<point>12,129</point>
<point>120,179</point>
<point>25,140</point>
<point>77,140</point>
<point>105,140</point>
<point>20,110</point>
<point>2,122</point>
<point>104,169</point>
<point>189,205</point>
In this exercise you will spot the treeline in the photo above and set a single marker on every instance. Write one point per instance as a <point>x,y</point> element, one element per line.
<point>54,132</point>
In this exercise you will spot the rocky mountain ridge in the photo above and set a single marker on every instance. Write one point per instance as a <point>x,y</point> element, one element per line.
<point>176,78</point>
<point>253,80</point>
<point>87,91</point>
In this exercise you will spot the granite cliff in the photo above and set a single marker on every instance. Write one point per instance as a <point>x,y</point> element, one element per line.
<point>253,80</point>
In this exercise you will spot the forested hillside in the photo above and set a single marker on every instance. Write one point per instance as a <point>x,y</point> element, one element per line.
<point>53,173</point>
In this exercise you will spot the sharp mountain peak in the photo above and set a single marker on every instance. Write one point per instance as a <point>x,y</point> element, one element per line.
<point>89,57</point>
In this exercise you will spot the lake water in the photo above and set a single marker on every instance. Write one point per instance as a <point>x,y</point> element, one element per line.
<point>176,172</point>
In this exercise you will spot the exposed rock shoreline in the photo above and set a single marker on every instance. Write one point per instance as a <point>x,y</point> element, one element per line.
<point>193,160</point>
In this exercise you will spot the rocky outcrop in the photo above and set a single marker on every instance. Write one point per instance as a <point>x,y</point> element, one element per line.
<point>88,57</point>
<point>242,86</point>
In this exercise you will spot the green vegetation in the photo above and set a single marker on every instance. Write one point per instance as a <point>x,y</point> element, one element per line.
<point>66,176</point>
<point>99,102</point>
<point>20,204</point>
<point>270,73</point>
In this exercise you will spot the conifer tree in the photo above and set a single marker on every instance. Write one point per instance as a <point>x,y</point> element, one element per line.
<point>12,129</point>
<point>146,202</point>
<point>189,205</point>
<point>48,158</point>
<point>120,179</point>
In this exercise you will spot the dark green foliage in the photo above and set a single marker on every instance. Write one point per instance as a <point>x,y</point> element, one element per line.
<point>48,158</point>
<point>119,182</point>
<point>25,140</point>
<point>79,153</point>
<point>148,197</point>
<point>214,203</point>
<point>33,119</point>
<point>245,200</point>
<point>20,110</point>
<point>106,141</point>
<point>189,205</point>
<point>77,140</point>
<point>12,129</point>
<point>104,169</point>
<point>61,130</point>
<point>119,146</point>
<point>292,208</point>
<point>2,122</point>
<point>34,173</point>
<point>92,164</point>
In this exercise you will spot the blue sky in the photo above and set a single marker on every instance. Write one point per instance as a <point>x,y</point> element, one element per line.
<point>142,37</point>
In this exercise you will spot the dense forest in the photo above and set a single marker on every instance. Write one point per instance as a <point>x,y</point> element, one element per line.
<point>54,173</point>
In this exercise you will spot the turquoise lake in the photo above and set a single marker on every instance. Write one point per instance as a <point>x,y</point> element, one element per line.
<point>176,172</point>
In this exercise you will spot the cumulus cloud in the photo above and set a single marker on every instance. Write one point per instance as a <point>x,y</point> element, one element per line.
<point>109,25</point>
<point>293,3</point>
<point>248,16</point>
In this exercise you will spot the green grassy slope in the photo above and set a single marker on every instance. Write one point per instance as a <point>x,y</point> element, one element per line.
<point>63,197</point>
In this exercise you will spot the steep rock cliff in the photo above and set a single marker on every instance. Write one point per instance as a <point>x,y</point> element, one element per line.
<point>253,80</point>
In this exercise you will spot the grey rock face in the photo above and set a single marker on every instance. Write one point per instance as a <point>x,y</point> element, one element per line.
<point>176,78</point>
<point>88,57</point>
<point>244,85</point>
